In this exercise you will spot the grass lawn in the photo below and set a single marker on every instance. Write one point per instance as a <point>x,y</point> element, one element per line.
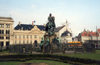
<point>49,62</point>
<point>94,56</point>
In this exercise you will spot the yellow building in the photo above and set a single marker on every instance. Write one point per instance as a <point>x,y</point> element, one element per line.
<point>6,31</point>
<point>28,33</point>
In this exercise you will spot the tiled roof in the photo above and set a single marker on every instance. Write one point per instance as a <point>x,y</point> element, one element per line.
<point>66,33</point>
<point>85,33</point>
<point>98,30</point>
<point>28,27</point>
<point>59,28</point>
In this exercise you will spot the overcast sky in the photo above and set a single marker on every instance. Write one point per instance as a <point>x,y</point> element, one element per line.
<point>80,14</point>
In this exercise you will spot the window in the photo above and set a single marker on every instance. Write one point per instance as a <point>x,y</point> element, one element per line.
<point>1,25</point>
<point>23,41</point>
<point>1,31</point>
<point>1,37</point>
<point>23,36</point>
<point>7,43</point>
<point>35,36</point>
<point>19,36</point>
<point>30,36</point>
<point>27,36</point>
<point>31,41</point>
<point>7,31</point>
<point>7,25</point>
<point>15,36</point>
<point>15,42</point>
<point>8,37</point>
<point>19,41</point>
<point>27,41</point>
<point>1,44</point>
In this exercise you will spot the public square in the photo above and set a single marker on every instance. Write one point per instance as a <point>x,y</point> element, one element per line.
<point>49,32</point>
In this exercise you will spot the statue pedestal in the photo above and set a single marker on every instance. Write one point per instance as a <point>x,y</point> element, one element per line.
<point>48,39</point>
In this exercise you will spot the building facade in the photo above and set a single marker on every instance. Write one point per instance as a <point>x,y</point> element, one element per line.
<point>6,31</point>
<point>89,35</point>
<point>64,33</point>
<point>28,34</point>
<point>66,37</point>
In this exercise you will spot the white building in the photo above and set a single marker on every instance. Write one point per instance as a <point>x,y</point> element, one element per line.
<point>6,31</point>
<point>64,33</point>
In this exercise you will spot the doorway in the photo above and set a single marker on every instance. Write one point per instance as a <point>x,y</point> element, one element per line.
<point>35,43</point>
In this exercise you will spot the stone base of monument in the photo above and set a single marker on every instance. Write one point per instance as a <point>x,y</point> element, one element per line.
<point>33,64</point>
